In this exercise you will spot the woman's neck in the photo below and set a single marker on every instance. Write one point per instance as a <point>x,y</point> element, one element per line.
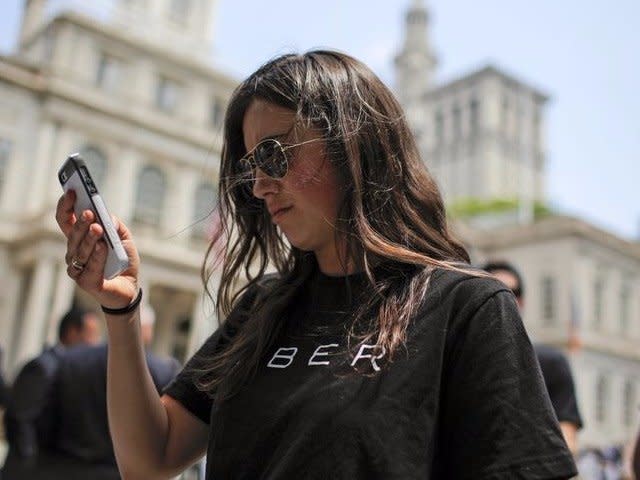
<point>335,264</point>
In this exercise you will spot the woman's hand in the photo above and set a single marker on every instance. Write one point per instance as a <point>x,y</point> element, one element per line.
<point>87,254</point>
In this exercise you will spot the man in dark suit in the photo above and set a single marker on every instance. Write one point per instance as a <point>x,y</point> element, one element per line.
<point>28,419</point>
<point>81,446</point>
<point>555,367</point>
<point>4,390</point>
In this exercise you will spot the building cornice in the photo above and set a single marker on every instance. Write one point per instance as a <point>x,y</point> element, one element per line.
<point>469,79</point>
<point>191,63</point>
<point>43,83</point>
<point>549,228</point>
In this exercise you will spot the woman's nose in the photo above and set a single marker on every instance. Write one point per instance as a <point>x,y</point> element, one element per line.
<point>263,184</point>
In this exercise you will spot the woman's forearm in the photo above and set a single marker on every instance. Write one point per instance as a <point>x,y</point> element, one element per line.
<point>137,418</point>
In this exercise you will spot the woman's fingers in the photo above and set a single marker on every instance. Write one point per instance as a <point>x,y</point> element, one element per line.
<point>77,235</point>
<point>82,256</point>
<point>64,212</point>
<point>93,272</point>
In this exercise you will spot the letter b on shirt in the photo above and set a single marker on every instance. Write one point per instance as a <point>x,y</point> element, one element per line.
<point>283,357</point>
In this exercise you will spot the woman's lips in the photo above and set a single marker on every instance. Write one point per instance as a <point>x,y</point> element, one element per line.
<point>278,213</point>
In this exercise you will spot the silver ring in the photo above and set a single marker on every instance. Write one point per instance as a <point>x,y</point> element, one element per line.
<point>77,265</point>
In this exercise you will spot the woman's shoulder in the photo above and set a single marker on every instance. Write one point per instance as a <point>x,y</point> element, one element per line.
<point>466,279</point>
<point>462,287</point>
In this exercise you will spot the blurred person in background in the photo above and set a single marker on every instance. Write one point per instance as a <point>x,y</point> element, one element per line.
<point>163,369</point>
<point>27,421</point>
<point>4,397</point>
<point>555,367</point>
<point>635,458</point>
<point>4,389</point>
<point>83,446</point>
<point>80,445</point>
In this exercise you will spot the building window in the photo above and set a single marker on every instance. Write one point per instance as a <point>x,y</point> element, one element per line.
<point>167,94</point>
<point>474,107</point>
<point>179,10</point>
<point>96,162</point>
<point>205,202</point>
<point>216,116</point>
<point>49,44</point>
<point>517,124</point>
<point>504,114</point>
<point>547,285</point>
<point>150,196</point>
<point>536,129</point>
<point>602,398</point>
<point>5,154</point>
<point>625,302</point>
<point>439,128</point>
<point>598,301</point>
<point>629,406</point>
<point>457,122</point>
<point>108,76</point>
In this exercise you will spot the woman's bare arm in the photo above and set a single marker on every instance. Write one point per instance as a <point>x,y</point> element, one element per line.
<point>152,438</point>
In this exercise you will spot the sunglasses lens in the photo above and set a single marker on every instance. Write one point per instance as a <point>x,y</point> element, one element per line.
<point>244,169</point>
<point>271,159</point>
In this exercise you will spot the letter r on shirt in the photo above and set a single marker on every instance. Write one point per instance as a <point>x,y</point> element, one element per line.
<point>373,358</point>
<point>283,357</point>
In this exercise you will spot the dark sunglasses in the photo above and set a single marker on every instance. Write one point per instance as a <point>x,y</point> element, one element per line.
<point>270,156</point>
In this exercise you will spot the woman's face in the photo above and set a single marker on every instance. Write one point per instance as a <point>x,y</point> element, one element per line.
<point>304,203</point>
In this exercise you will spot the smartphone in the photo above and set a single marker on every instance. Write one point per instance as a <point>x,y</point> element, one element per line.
<point>74,175</point>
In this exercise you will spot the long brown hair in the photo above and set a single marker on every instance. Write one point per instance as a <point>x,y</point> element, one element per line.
<point>392,212</point>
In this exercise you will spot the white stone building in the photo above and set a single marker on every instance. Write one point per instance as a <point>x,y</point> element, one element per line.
<point>140,100</point>
<point>482,136</point>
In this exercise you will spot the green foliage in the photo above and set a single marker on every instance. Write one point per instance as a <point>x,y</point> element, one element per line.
<point>472,207</point>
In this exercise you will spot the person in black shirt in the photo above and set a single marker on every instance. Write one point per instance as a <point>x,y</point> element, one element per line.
<point>375,351</point>
<point>29,420</point>
<point>555,367</point>
<point>28,423</point>
<point>4,390</point>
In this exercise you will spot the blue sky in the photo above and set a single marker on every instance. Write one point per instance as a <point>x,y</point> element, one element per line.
<point>585,55</point>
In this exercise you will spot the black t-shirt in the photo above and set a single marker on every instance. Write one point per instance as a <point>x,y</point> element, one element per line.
<point>464,400</point>
<point>556,372</point>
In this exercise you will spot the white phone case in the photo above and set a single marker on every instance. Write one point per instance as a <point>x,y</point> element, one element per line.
<point>74,175</point>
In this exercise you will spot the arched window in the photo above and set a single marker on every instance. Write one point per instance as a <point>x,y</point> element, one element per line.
<point>179,10</point>
<point>629,403</point>
<point>204,204</point>
<point>150,196</point>
<point>474,115</point>
<point>598,300</point>
<point>5,153</point>
<point>602,398</point>
<point>548,297</point>
<point>96,161</point>
<point>625,304</point>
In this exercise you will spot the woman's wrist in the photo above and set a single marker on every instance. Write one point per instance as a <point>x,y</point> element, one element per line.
<point>126,310</point>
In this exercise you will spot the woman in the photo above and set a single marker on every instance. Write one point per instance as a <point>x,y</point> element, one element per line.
<point>375,352</point>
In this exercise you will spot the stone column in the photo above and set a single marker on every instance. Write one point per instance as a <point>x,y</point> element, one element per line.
<point>165,329</point>
<point>63,146</point>
<point>33,17</point>
<point>33,329</point>
<point>178,213</point>
<point>204,322</point>
<point>13,284</point>
<point>40,169</point>
<point>62,299</point>
<point>126,169</point>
